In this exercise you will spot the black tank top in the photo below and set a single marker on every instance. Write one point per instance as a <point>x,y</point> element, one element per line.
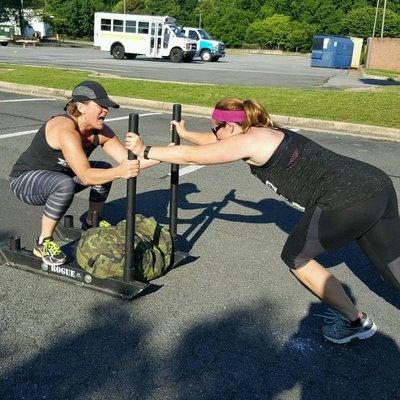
<point>307,174</point>
<point>40,156</point>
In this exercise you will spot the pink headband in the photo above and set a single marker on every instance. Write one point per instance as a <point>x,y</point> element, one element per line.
<point>228,116</point>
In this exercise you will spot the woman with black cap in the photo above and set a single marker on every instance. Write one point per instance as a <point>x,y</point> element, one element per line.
<point>344,200</point>
<point>56,165</point>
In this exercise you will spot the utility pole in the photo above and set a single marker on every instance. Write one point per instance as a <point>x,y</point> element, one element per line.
<point>376,18</point>
<point>200,20</point>
<point>21,18</point>
<point>383,17</point>
<point>124,6</point>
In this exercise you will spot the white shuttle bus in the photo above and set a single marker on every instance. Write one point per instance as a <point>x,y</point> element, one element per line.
<point>128,35</point>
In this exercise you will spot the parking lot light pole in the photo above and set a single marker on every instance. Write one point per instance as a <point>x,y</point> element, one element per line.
<point>21,18</point>
<point>383,17</point>
<point>376,18</point>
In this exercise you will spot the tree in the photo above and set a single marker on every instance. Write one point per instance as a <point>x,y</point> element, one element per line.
<point>300,36</point>
<point>11,10</point>
<point>131,6</point>
<point>163,7</point>
<point>231,26</point>
<point>360,21</point>
<point>272,31</point>
<point>188,15</point>
<point>73,17</point>
<point>323,13</point>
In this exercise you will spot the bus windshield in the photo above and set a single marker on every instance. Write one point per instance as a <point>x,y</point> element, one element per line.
<point>178,32</point>
<point>204,35</point>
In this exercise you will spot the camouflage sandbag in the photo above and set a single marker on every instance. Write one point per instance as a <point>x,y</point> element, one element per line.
<point>101,251</point>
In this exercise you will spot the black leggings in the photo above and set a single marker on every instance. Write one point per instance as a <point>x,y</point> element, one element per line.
<point>56,190</point>
<point>374,223</point>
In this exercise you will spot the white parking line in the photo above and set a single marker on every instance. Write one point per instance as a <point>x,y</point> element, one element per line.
<point>187,170</point>
<point>23,133</point>
<point>122,118</point>
<point>19,100</point>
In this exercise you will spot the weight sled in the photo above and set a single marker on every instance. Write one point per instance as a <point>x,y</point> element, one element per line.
<point>14,256</point>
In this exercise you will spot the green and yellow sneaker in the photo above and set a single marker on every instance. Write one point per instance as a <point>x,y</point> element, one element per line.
<point>49,251</point>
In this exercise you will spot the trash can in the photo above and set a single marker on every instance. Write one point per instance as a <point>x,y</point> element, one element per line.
<point>332,52</point>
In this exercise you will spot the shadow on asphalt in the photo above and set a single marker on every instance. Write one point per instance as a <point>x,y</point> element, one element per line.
<point>286,217</point>
<point>155,203</point>
<point>241,354</point>
<point>268,211</point>
<point>379,82</point>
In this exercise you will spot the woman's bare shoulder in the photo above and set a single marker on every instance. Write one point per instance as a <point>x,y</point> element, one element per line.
<point>60,123</point>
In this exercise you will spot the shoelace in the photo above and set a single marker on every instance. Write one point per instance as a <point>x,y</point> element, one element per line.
<point>51,247</point>
<point>104,224</point>
<point>333,317</point>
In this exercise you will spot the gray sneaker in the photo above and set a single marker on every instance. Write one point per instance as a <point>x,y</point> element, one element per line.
<point>339,329</point>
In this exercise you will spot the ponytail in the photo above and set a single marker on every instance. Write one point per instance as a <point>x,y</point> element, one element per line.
<point>72,108</point>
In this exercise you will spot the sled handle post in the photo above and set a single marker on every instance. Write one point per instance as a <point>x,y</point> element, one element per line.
<point>129,267</point>
<point>173,205</point>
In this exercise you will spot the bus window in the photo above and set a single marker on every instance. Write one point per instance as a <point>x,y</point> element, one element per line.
<point>143,27</point>
<point>178,32</point>
<point>130,27</point>
<point>118,25</point>
<point>105,24</point>
<point>166,38</point>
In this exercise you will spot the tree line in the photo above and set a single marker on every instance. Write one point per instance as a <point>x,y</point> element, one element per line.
<point>284,24</point>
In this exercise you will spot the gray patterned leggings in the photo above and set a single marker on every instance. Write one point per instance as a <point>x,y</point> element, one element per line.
<point>56,190</point>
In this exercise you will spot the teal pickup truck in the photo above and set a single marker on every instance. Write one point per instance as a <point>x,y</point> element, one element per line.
<point>207,48</point>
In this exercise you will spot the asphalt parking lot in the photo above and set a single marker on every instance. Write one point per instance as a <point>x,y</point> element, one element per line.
<point>232,324</point>
<point>235,69</point>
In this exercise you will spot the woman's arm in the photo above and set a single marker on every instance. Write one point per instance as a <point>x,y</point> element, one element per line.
<point>116,150</point>
<point>199,138</point>
<point>234,148</point>
<point>71,146</point>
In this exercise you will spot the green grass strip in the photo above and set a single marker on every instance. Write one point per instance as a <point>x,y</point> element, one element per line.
<point>373,107</point>
<point>383,72</point>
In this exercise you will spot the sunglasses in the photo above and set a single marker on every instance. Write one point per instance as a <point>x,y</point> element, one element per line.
<point>218,127</point>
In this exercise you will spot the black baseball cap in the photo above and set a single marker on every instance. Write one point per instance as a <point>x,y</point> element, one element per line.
<point>90,90</point>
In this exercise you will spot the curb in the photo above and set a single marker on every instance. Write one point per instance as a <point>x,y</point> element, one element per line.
<point>369,131</point>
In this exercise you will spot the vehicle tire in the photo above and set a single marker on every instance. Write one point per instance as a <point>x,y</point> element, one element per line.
<point>118,52</point>
<point>4,43</point>
<point>214,58</point>
<point>176,55</point>
<point>130,56</point>
<point>206,55</point>
<point>187,59</point>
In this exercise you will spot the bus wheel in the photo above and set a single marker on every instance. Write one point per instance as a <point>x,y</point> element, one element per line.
<point>206,55</point>
<point>130,56</point>
<point>118,52</point>
<point>214,58</point>
<point>176,55</point>
<point>4,43</point>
